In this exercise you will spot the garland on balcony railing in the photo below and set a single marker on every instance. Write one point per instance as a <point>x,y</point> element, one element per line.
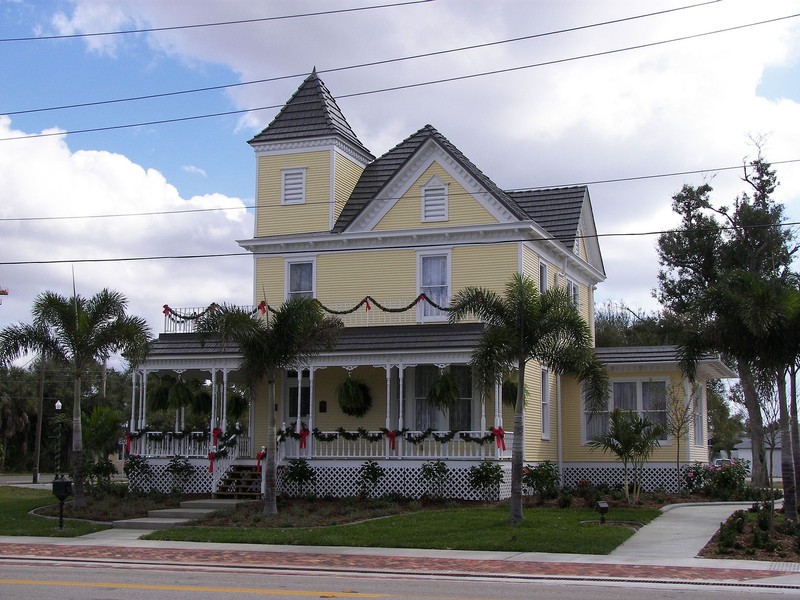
<point>361,433</point>
<point>368,302</point>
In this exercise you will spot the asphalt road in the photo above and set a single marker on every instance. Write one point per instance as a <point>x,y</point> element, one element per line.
<point>22,579</point>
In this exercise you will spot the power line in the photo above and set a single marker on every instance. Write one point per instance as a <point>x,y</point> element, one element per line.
<point>313,202</point>
<point>447,244</point>
<point>357,66</point>
<point>410,85</point>
<point>214,24</point>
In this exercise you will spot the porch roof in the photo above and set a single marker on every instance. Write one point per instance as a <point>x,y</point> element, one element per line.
<point>629,358</point>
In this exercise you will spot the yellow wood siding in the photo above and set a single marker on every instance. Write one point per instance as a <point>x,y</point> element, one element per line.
<point>346,174</point>
<point>576,450</point>
<point>536,447</point>
<point>272,218</point>
<point>383,274</point>
<point>485,266</point>
<point>270,281</point>
<point>463,209</point>
<point>325,383</point>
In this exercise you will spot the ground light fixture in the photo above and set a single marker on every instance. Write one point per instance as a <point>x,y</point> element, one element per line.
<point>602,508</point>
<point>62,487</point>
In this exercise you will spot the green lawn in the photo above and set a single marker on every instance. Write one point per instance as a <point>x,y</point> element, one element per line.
<point>572,530</point>
<point>15,518</point>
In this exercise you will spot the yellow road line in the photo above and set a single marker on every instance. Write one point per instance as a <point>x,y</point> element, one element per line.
<point>189,588</point>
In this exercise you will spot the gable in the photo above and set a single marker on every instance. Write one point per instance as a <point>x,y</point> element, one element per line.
<point>399,204</point>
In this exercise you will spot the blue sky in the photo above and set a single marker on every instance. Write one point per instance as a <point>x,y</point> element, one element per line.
<point>682,106</point>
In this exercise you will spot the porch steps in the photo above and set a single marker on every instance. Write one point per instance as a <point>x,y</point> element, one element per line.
<point>240,482</point>
<point>166,518</point>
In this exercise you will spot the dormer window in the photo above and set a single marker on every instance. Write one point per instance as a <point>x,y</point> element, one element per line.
<point>293,186</point>
<point>434,201</point>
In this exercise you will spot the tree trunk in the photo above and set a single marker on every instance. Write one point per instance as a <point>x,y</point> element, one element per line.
<point>77,447</point>
<point>758,471</point>
<point>271,461</point>
<point>38,443</point>
<point>517,449</point>
<point>787,466</point>
<point>794,431</point>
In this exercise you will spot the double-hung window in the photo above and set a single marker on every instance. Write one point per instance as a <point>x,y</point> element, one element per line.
<point>542,277</point>
<point>293,186</point>
<point>300,279</point>
<point>433,273</point>
<point>573,292</point>
<point>545,404</point>
<point>647,398</point>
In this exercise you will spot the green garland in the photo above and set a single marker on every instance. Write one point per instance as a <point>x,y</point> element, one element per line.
<point>324,437</point>
<point>368,301</point>
<point>478,439</point>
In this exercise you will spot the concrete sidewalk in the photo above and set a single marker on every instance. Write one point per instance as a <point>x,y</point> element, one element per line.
<point>664,550</point>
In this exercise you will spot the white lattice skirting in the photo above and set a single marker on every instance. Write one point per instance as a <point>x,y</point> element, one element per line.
<point>340,479</point>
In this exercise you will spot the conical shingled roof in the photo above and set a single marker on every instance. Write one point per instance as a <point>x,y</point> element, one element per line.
<point>311,112</point>
<point>380,171</point>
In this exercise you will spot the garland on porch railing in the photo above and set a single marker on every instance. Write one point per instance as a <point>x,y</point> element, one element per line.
<point>495,434</point>
<point>368,302</point>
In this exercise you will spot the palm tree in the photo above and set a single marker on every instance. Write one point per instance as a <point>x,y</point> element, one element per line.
<point>80,331</point>
<point>289,337</point>
<point>632,439</point>
<point>40,342</point>
<point>524,325</point>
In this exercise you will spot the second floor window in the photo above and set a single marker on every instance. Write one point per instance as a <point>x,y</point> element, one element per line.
<point>301,280</point>
<point>573,292</point>
<point>542,277</point>
<point>434,280</point>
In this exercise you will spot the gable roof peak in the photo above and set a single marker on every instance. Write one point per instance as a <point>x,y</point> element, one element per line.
<point>311,112</point>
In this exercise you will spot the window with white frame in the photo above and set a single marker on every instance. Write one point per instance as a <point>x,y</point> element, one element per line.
<point>545,404</point>
<point>698,416</point>
<point>542,277</point>
<point>647,398</point>
<point>573,292</point>
<point>433,273</point>
<point>293,186</point>
<point>434,201</point>
<point>304,391</point>
<point>300,279</point>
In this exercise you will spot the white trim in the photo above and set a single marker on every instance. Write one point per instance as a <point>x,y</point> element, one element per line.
<point>288,262</point>
<point>300,146</point>
<point>546,404</point>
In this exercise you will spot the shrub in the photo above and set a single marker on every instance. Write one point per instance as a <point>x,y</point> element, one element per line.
<point>435,473</point>
<point>369,474</point>
<point>181,470</point>
<point>486,477</point>
<point>543,479</point>
<point>724,482</point>
<point>137,470</point>
<point>300,472</point>
<point>99,475</point>
<point>565,499</point>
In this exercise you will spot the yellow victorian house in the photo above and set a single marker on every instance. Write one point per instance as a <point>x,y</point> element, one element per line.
<point>384,243</point>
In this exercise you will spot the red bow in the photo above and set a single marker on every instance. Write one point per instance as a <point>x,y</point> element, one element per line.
<point>499,437</point>
<point>128,438</point>
<point>262,307</point>
<point>216,433</point>
<point>211,457</point>
<point>303,435</point>
<point>368,305</point>
<point>392,435</point>
<point>261,456</point>
<point>166,309</point>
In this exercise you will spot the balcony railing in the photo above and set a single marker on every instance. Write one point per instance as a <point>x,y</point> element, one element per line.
<point>184,320</point>
<point>191,445</point>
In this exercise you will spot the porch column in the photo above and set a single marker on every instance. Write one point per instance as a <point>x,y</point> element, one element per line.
<point>387,446</point>
<point>213,423</point>
<point>401,376</point>
<point>143,411</point>
<point>310,440</point>
<point>224,399</point>
<point>132,422</point>
<point>298,423</point>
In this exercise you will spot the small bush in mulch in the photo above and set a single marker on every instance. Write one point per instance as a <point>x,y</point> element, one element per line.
<point>115,504</point>
<point>746,535</point>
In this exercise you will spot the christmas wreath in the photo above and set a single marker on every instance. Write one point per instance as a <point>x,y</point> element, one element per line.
<point>354,397</point>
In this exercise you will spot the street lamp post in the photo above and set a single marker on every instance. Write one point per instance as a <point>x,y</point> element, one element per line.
<point>62,487</point>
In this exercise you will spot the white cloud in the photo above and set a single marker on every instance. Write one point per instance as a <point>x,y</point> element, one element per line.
<point>194,170</point>
<point>43,177</point>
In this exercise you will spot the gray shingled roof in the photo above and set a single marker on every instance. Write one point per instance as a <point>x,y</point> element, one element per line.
<point>557,210</point>
<point>637,354</point>
<point>351,340</point>
<point>311,112</point>
<point>379,172</point>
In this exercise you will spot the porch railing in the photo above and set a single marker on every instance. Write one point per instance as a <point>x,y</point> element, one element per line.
<point>193,444</point>
<point>429,448</point>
